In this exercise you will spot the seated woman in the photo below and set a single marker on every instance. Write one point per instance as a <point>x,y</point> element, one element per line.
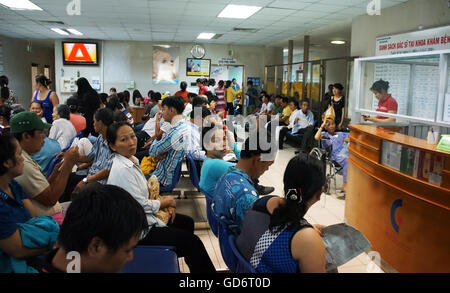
<point>116,106</point>
<point>386,103</point>
<point>275,237</point>
<point>15,207</point>
<point>338,142</point>
<point>217,142</point>
<point>179,232</point>
<point>62,129</point>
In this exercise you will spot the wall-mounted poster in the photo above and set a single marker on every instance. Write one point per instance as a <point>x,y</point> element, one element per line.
<point>198,67</point>
<point>166,62</point>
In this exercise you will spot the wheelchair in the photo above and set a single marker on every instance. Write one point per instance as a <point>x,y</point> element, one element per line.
<point>330,167</point>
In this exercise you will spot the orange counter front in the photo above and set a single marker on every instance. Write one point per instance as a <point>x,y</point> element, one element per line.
<point>406,218</point>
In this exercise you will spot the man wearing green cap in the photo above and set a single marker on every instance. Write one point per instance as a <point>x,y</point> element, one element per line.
<point>44,193</point>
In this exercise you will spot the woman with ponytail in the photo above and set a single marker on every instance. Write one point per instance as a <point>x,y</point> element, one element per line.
<point>275,237</point>
<point>46,96</point>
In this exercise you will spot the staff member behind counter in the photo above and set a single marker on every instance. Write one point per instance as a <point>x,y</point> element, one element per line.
<point>386,103</point>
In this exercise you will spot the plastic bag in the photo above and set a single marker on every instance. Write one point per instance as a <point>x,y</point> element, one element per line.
<point>148,164</point>
<point>153,194</point>
<point>329,113</point>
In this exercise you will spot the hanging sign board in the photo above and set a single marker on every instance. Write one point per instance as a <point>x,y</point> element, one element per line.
<point>418,41</point>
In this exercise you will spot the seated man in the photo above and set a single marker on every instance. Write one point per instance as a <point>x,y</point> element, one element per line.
<point>235,192</point>
<point>116,224</point>
<point>172,147</point>
<point>293,105</point>
<point>286,113</point>
<point>277,107</point>
<point>44,193</point>
<point>304,124</point>
<point>267,107</point>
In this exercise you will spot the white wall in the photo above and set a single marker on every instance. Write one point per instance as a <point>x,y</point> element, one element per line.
<point>124,61</point>
<point>17,65</point>
<point>405,17</point>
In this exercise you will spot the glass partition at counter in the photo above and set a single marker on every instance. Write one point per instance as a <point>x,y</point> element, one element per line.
<point>419,83</point>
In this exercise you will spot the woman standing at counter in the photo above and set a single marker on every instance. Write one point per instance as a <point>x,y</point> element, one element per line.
<point>386,103</point>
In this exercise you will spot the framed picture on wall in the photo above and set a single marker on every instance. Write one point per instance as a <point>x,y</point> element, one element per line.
<point>198,67</point>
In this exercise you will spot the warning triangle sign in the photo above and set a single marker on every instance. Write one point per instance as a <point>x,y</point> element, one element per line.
<point>79,53</point>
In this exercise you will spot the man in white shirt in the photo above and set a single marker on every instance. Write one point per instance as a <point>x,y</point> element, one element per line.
<point>304,124</point>
<point>293,104</point>
<point>267,106</point>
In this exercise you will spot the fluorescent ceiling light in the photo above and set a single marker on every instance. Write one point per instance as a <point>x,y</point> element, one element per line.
<point>338,42</point>
<point>20,5</point>
<point>60,31</point>
<point>206,36</point>
<point>164,46</point>
<point>74,32</point>
<point>238,11</point>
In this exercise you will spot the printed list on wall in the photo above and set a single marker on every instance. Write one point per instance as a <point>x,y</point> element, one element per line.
<point>414,87</point>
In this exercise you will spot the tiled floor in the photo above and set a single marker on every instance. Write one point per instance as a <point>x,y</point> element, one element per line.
<point>330,210</point>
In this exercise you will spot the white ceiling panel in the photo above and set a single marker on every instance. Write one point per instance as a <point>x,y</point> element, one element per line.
<point>182,20</point>
<point>289,4</point>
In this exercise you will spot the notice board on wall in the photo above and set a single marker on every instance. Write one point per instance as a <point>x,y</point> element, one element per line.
<point>228,72</point>
<point>414,87</point>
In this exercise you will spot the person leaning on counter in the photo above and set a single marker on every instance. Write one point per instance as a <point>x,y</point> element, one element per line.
<point>386,103</point>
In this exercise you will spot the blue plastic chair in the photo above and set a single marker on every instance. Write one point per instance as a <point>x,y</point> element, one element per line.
<point>52,165</point>
<point>212,219</point>
<point>175,179</point>
<point>227,252</point>
<point>153,259</point>
<point>193,174</point>
<point>242,265</point>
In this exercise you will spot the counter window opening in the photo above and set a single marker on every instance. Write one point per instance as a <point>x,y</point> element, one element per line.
<point>418,83</point>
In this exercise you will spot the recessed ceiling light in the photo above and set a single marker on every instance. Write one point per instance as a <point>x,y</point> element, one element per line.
<point>74,32</point>
<point>60,31</point>
<point>238,11</point>
<point>338,42</point>
<point>20,5</point>
<point>206,36</point>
